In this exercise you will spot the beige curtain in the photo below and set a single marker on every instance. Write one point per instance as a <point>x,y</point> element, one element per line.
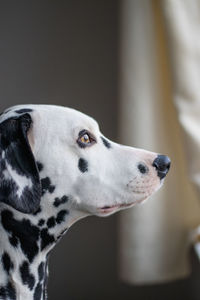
<point>153,237</point>
<point>182,21</point>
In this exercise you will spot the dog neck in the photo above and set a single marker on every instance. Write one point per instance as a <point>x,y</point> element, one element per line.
<point>26,241</point>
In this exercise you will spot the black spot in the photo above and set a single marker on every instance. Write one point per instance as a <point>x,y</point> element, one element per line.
<point>106,143</point>
<point>83,165</point>
<point>8,292</point>
<point>2,165</point>
<point>27,278</point>
<point>41,222</point>
<point>46,238</point>
<point>26,233</point>
<point>7,263</point>
<point>40,166</point>
<point>11,293</point>
<point>59,201</point>
<point>37,211</point>
<point>2,293</point>
<point>38,292</point>
<point>61,216</point>
<point>13,240</point>
<point>47,186</point>
<point>51,188</point>
<point>23,110</point>
<point>51,222</point>
<point>142,168</point>
<point>41,271</point>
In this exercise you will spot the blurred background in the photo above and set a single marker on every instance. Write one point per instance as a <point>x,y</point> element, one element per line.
<point>134,66</point>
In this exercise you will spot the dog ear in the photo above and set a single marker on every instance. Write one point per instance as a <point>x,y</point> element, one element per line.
<point>20,185</point>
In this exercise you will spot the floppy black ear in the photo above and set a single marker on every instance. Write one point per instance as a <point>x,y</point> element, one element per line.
<point>20,185</point>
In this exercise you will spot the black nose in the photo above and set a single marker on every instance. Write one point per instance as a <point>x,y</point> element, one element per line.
<point>162,165</point>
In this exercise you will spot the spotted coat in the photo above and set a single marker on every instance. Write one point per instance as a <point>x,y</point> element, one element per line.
<point>56,168</point>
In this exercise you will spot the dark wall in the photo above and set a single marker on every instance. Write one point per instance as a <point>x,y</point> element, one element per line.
<point>66,52</point>
<point>62,52</point>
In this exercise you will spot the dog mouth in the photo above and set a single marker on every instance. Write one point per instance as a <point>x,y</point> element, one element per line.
<point>112,208</point>
<point>109,209</point>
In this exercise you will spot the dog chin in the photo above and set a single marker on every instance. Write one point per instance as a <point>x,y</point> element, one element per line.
<point>109,210</point>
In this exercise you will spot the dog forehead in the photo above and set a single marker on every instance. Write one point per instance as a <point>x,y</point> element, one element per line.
<point>62,121</point>
<point>52,115</point>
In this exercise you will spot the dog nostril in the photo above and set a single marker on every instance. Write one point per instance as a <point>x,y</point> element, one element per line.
<point>143,168</point>
<point>162,165</point>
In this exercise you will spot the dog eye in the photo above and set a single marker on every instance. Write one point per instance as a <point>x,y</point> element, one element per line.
<point>85,139</point>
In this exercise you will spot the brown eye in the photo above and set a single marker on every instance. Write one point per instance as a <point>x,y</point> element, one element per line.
<point>85,139</point>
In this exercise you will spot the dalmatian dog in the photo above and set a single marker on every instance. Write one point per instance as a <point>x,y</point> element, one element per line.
<point>56,167</point>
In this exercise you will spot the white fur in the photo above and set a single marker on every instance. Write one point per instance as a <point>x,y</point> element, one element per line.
<point>113,178</point>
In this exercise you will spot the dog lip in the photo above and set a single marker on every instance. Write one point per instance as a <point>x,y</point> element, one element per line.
<point>107,209</point>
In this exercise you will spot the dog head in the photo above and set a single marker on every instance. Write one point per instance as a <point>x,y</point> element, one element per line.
<point>59,154</point>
